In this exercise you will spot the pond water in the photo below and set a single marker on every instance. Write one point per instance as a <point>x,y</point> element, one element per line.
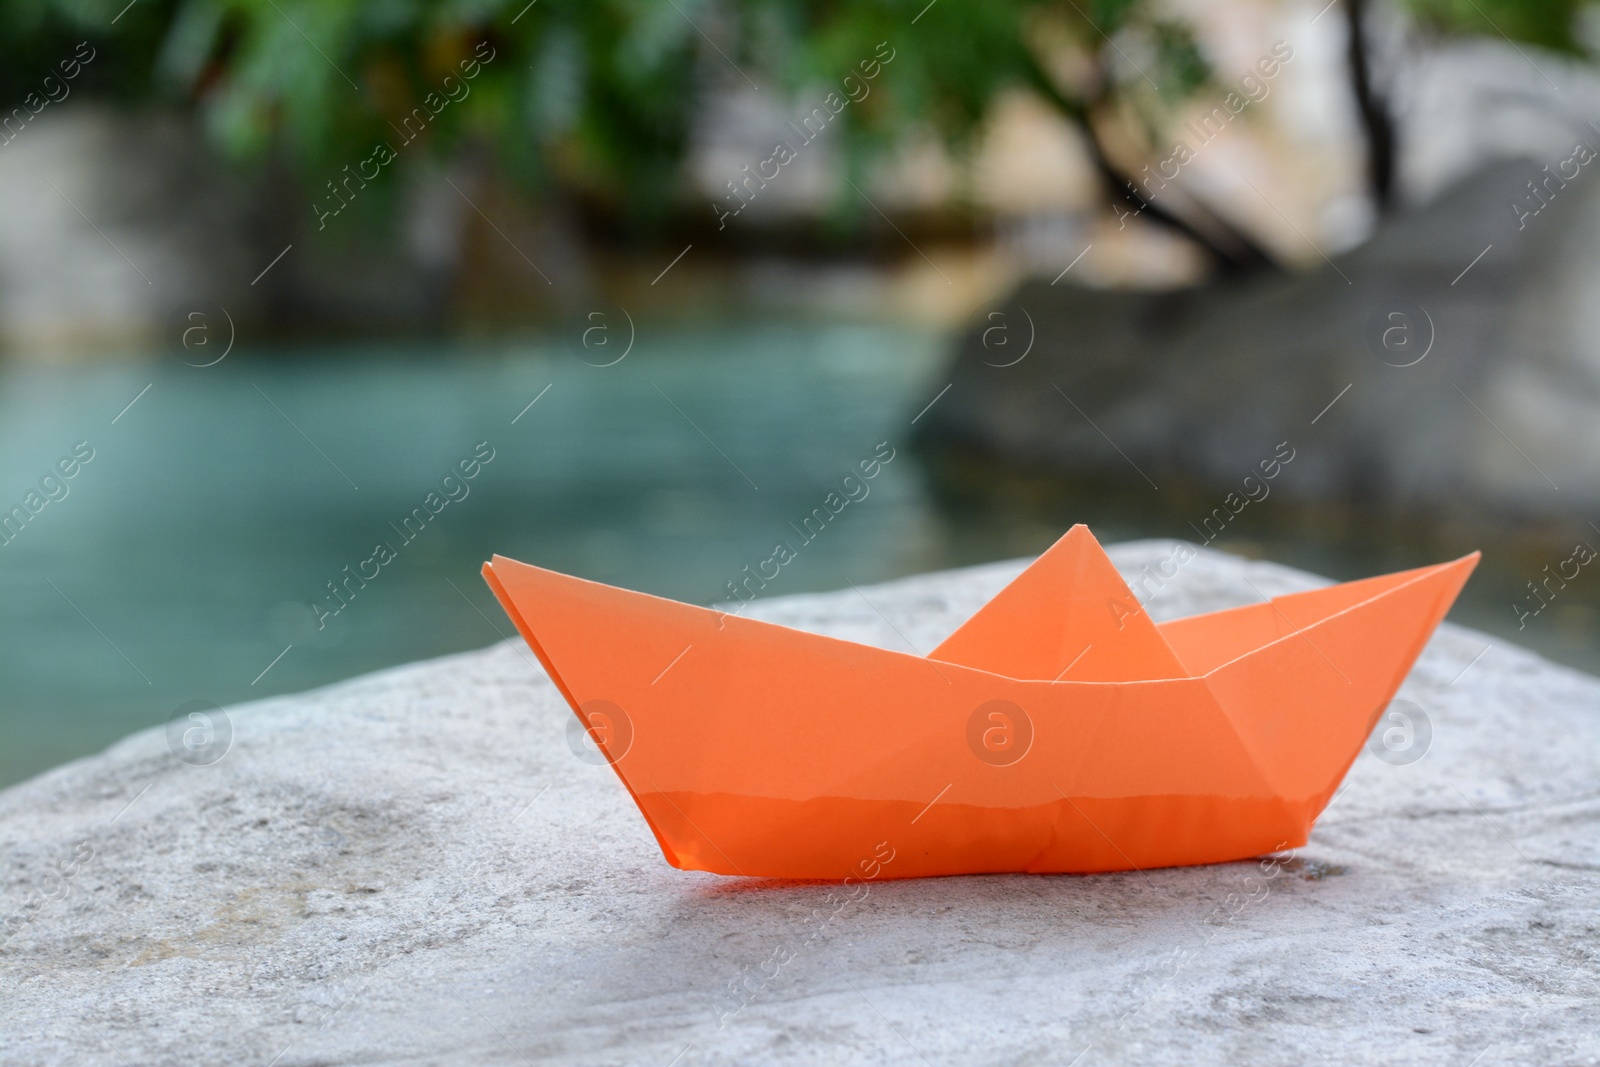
<point>182,562</point>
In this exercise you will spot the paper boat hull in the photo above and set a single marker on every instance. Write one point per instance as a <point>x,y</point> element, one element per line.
<point>754,749</point>
<point>833,838</point>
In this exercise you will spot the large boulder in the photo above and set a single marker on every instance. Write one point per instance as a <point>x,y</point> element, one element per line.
<point>125,231</point>
<point>413,867</point>
<point>1458,350</point>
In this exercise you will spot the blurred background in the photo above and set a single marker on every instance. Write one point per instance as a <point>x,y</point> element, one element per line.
<point>274,274</point>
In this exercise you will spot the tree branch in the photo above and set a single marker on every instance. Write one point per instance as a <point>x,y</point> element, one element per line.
<point>1377,122</point>
<point>1232,251</point>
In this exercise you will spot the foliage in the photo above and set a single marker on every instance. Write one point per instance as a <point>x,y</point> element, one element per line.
<point>1551,24</point>
<point>603,95</point>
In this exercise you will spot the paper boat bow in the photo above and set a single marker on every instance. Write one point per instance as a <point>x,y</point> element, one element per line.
<point>1058,730</point>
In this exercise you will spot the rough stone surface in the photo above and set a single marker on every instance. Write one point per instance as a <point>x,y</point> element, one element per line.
<point>413,867</point>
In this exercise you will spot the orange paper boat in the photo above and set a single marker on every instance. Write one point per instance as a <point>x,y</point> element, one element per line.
<point>1058,730</point>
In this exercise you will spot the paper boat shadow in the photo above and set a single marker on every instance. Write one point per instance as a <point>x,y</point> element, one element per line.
<point>1057,730</point>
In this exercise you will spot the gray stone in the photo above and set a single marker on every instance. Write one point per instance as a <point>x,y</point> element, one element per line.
<point>413,867</point>
<point>1405,382</point>
<point>171,240</point>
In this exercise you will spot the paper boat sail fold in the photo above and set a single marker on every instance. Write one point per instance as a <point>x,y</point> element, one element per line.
<point>1070,611</point>
<point>1058,730</point>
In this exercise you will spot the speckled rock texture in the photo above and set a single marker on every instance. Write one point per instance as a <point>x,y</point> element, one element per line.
<point>415,868</point>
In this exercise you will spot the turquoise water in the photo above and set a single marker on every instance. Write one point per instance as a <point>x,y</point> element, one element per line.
<point>182,561</point>
<point>183,556</point>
